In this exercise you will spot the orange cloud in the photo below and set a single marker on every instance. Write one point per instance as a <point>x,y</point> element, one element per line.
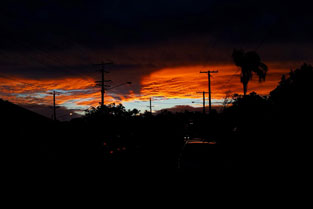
<point>185,82</point>
<point>28,91</point>
<point>30,85</point>
<point>173,82</point>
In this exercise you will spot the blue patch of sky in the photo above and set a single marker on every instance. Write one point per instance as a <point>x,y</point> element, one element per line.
<point>69,92</point>
<point>36,95</point>
<point>72,104</point>
<point>167,103</point>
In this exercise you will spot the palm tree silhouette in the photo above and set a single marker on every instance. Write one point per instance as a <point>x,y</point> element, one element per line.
<point>249,62</point>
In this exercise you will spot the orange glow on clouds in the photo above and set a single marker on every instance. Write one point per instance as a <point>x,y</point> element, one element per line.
<point>167,83</point>
<point>185,82</point>
<point>28,91</point>
<point>30,85</point>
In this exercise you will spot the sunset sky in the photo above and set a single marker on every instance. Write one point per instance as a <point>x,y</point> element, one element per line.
<point>159,45</point>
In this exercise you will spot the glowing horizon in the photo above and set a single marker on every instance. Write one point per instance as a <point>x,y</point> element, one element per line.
<point>168,86</point>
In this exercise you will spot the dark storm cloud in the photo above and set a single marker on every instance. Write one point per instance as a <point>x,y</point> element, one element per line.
<point>95,23</point>
<point>57,38</point>
<point>44,42</point>
<point>105,24</point>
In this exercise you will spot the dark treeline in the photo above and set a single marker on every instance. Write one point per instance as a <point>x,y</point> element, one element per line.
<point>254,131</point>
<point>273,131</point>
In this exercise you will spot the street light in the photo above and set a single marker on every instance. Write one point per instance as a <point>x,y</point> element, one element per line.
<point>68,116</point>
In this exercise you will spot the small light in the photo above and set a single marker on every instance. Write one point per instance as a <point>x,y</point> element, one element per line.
<point>71,113</point>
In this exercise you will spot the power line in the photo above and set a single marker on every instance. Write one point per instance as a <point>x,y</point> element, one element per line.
<point>150,105</point>
<point>231,77</point>
<point>209,85</point>
<point>13,79</point>
<point>54,106</point>
<point>16,80</point>
<point>49,57</point>
<point>102,82</point>
<point>203,100</point>
<point>31,46</point>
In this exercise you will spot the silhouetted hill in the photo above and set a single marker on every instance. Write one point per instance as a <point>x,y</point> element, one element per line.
<point>183,108</point>
<point>13,113</point>
<point>24,135</point>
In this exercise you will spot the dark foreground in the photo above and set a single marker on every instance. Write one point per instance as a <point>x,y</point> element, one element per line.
<point>253,133</point>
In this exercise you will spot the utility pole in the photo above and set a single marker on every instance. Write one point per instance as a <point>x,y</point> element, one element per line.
<point>209,83</point>
<point>54,106</point>
<point>203,100</point>
<point>102,82</point>
<point>54,109</point>
<point>150,106</point>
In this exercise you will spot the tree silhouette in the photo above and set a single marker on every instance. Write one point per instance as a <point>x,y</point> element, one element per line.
<point>249,62</point>
<point>110,111</point>
<point>296,87</point>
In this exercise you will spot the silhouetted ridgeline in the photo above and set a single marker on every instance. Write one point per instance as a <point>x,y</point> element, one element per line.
<point>24,134</point>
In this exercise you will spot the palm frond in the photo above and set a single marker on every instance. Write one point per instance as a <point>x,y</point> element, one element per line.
<point>238,57</point>
<point>261,71</point>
